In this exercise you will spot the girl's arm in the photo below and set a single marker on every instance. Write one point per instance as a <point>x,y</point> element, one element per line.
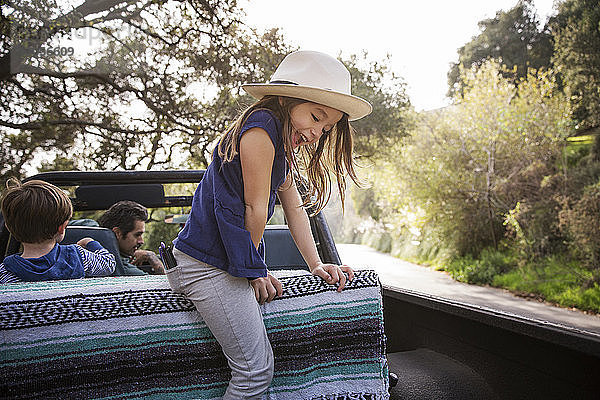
<point>299,225</point>
<point>256,156</point>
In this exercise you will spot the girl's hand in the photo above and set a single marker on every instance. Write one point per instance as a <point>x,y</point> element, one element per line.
<point>267,288</point>
<point>334,274</point>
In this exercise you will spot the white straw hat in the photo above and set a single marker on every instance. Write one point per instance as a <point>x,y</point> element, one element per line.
<point>316,77</point>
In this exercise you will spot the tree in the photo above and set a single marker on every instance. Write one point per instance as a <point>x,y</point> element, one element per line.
<point>581,221</point>
<point>146,96</point>
<point>576,32</point>
<point>390,120</point>
<point>459,161</point>
<point>513,38</point>
<point>161,84</point>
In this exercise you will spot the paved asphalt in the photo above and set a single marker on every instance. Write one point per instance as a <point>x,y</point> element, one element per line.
<point>394,272</point>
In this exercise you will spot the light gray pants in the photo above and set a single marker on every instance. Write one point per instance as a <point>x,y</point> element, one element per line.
<point>229,308</point>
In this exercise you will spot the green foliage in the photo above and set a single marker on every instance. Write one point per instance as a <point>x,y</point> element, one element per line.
<point>379,239</point>
<point>582,222</point>
<point>468,165</point>
<point>366,204</point>
<point>491,185</point>
<point>483,269</point>
<point>555,279</point>
<point>520,240</point>
<point>427,248</point>
<point>576,33</point>
<point>158,231</point>
<point>576,149</point>
<point>595,150</point>
<point>391,117</point>
<point>532,224</point>
<point>513,38</point>
<point>60,163</point>
<point>160,85</point>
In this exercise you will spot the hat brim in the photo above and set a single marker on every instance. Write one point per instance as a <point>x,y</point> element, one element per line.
<point>354,106</point>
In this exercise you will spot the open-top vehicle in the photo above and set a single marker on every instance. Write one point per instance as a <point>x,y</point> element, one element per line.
<point>131,337</point>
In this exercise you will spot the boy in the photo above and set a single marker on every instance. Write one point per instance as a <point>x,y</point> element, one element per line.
<point>36,213</point>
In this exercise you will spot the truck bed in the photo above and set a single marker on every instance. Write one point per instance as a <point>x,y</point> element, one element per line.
<point>438,348</point>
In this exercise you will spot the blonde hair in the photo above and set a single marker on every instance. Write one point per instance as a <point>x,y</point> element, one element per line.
<point>331,155</point>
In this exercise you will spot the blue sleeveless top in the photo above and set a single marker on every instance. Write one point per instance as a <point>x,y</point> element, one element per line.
<point>215,231</point>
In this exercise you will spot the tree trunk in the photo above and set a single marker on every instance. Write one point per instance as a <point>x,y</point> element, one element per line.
<point>488,191</point>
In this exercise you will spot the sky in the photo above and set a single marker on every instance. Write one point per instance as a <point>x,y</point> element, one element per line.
<point>422,36</point>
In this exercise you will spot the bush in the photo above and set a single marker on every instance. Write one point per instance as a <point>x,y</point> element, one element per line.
<point>582,222</point>
<point>378,239</point>
<point>427,249</point>
<point>555,279</point>
<point>590,299</point>
<point>532,223</point>
<point>481,271</point>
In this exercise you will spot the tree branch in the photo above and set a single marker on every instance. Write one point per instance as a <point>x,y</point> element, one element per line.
<point>40,124</point>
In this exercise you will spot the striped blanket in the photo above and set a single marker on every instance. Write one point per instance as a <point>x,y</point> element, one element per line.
<point>131,337</point>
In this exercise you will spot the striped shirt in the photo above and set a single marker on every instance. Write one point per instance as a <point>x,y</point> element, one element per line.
<point>99,262</point>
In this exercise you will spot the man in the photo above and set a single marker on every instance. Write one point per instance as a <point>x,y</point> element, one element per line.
<point>127,219</point>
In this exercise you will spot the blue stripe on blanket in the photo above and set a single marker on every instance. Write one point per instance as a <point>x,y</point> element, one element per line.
<point>128,337</point>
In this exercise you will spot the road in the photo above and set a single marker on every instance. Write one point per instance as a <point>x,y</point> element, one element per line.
<point>394,272</point>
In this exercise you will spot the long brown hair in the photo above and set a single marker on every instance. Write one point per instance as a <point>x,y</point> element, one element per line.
<point>317,162</point>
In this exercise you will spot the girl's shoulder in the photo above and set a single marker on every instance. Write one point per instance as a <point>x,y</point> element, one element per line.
<point>265,119</point>
<point>263,116</point>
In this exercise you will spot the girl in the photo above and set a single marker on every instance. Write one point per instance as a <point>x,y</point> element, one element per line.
<point>299,124</point>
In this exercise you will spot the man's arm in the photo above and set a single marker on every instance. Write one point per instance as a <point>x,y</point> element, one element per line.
<point>147,257</point>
